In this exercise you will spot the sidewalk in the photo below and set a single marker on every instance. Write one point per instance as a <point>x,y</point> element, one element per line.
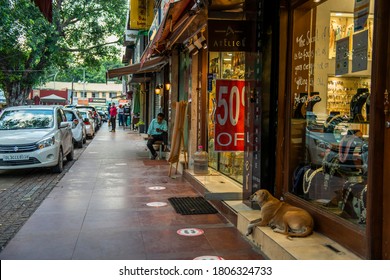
<point>98,210</point>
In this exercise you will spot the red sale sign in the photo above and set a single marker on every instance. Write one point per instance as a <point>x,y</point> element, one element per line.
<point>229,115</point>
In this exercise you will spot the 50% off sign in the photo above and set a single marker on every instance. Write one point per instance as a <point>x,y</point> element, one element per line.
<point>229,115</point>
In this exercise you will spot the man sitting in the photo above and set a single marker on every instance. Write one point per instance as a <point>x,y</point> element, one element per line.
<point>157,131</point>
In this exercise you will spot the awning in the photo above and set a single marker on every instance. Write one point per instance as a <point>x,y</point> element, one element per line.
<point>167,26</point>
<point>140,78</point>
<point>152,65</point>
<point>53,98</point>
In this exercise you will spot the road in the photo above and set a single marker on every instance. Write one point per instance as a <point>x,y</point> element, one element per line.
<point>22,191</point>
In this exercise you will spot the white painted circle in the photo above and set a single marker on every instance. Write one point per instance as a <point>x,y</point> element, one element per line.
<point>157,188</point>
<point>209,258</point>
<point>156,204</point>
<point>190,232</point>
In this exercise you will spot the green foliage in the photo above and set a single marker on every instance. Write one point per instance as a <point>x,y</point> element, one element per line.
<point>92,74</point>
<point>31,48</point>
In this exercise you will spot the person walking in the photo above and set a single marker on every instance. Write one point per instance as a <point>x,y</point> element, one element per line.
<point>157,131</point>
<point>126,114</point>
<point>113,114</point>
<point>120,114</point>
<point>109,114</point>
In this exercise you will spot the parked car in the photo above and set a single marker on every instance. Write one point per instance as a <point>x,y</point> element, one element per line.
<point>103,115</point>
<point>89,123</point>
<point>34,136</point>
<point>79,131</point>
<point>95,115</point>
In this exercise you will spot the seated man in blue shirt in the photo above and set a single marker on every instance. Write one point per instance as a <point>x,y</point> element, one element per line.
<point>157,131</point>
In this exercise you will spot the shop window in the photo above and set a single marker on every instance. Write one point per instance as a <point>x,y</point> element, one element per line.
<point>330,89</point>
<point>225,67</point>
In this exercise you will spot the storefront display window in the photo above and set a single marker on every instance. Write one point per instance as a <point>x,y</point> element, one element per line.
<point>226,66</point>
<point>330,116</point>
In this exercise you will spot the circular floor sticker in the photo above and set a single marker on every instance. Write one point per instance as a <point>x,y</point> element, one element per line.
<point>190,232</point>
<point>157,188</point>
<point>156,204</point>
<point>209,258</point>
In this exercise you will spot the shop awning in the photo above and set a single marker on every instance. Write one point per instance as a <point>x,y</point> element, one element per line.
<point>152,65</point>
<point>140,78</point>
<point>168,24</point>
<point>53,98</point>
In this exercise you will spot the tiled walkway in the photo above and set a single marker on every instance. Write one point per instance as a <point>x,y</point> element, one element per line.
<point>99,211</point>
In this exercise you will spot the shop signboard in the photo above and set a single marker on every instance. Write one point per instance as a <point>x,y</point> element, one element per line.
<point>230,36</point>
<point>141,14</point>
<point>229,116</point>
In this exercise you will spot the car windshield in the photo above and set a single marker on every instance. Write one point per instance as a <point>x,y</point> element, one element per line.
<point>26,119</point>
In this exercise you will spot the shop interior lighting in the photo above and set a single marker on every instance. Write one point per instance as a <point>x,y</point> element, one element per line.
<point>168,86</point>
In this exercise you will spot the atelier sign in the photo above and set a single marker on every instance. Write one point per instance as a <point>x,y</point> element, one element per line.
<point>229,36</point>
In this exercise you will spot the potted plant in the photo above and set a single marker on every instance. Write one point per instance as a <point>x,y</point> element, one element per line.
<point>141,126</point>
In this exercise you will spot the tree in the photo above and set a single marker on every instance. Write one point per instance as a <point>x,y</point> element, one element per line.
<point>92,74</point>
<point>30,46</point>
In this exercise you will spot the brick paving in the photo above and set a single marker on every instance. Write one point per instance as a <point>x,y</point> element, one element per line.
<point>21,193</point>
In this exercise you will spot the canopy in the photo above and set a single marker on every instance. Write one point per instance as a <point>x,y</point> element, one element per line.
<point>152,65</point>
<point>168,25</point>
<point>53,98</point>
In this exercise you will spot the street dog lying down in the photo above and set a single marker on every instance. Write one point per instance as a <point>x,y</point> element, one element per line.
<point>281,216</point>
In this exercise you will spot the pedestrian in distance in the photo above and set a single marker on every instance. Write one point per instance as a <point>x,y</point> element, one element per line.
<point>109,114</point>
<point>157,131</point>
<point>126,114</point>
<point>113,114</point>
<point>120,114</point>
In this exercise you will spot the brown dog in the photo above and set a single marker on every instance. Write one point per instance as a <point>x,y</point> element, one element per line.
<point>281,216</point>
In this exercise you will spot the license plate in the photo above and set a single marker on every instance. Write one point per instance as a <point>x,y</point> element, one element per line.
<point>15,157</point>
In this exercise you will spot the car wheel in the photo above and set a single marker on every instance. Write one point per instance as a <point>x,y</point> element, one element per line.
<point>70,156</point>
<point>60,165</point>
<point>80,144</point>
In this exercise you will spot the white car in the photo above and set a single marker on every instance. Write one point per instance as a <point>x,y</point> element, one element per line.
<point>34,136</point>
<point>79,131</point>
<point>89,123</point>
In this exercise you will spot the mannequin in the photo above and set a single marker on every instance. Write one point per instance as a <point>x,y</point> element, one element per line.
<point>357,103</point>
<point>298,105</point>
<point>312,100</point>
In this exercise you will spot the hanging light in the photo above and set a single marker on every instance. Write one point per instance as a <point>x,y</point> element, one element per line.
<point>168,86</point>
<point>158,88</point>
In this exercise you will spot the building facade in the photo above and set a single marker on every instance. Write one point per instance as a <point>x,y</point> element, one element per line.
<point>289,96</point>
<point>94,94</point>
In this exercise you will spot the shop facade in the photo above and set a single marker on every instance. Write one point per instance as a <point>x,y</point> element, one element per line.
<point>333,135</point>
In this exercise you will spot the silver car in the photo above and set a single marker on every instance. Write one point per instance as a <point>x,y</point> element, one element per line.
<point>79,131</point>
<point>34,136</point>
<point>89,123</point>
